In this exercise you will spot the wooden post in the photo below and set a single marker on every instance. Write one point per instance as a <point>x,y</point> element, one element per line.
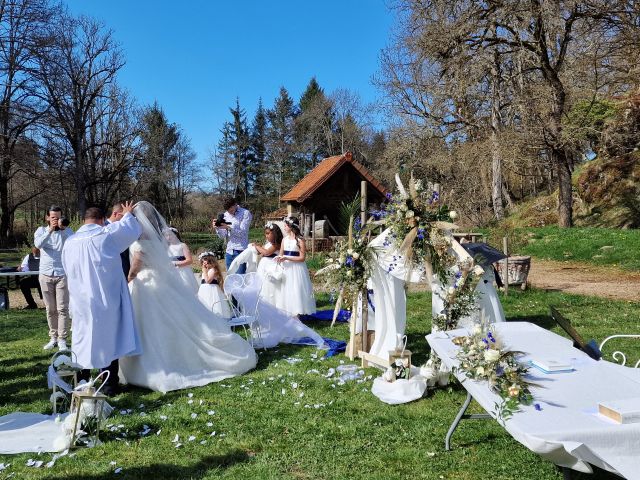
<point>505,248</point>
<point>289,209</point>
<point>363,202</point>
<point>313,234</point>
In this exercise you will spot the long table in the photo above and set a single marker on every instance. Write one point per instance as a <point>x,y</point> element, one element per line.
<point>17,275</point>
<point>566,430</point>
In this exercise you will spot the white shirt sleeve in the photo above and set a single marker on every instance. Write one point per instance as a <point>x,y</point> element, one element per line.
<point>24,267</point>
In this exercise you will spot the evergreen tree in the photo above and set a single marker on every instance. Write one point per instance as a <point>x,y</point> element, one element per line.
<point>315,125</point>
<point>281,149</point>
<point>258,151</point>
<point>234,150</point>
<point>158,139</point>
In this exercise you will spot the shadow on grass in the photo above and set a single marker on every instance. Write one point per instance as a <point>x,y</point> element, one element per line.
<point>167,471</point>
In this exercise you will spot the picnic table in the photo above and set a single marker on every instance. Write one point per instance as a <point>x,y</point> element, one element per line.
<point>15,275</point>
<point>566,428</point>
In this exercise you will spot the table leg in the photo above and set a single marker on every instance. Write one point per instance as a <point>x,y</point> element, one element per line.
<point>461,414</point>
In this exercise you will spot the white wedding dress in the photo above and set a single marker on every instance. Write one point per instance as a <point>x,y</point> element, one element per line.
<point>184,344</point>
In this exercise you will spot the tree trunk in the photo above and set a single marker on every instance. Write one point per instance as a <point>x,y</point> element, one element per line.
<point>565,197</point>
<point>496,158</point>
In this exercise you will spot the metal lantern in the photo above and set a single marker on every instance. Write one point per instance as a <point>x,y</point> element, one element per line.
<point>87,407</point>
<point>400,361</point>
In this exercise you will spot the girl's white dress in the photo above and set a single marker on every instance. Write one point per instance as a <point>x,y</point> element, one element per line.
<point>212,297</point>
<point>272,276</point>
<point>297,291</point>
<point>186,272</point>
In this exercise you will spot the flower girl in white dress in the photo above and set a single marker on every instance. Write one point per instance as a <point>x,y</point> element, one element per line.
<point>181,258</point>
<point>297,289</point>
<point>210,292</point>
<point>269,270</point>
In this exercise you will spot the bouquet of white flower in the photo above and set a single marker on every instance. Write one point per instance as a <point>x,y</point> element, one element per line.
<point>482,357</point>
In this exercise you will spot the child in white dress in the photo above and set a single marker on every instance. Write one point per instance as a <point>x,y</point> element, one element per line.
<point>181,258</point>
<point>297,289</point>
<point>210,292</point>
<point>269,270</point>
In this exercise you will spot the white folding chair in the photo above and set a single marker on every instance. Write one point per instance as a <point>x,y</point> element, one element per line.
<point>617,355</point>
<point>245,289</point>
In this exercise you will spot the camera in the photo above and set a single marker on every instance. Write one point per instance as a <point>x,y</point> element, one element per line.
<point>64,221</point>
<point>221,221</point>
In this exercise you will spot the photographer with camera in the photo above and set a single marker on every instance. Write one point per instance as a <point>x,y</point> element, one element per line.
<point>50,239</point>
<point>233,226</point>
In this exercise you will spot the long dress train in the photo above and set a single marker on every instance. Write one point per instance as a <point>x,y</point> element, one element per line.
<point>183,343</point>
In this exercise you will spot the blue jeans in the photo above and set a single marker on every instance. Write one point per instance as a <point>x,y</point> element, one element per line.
<point>228,258</point>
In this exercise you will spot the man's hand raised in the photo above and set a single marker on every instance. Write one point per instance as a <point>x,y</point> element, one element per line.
<point>127,207</point>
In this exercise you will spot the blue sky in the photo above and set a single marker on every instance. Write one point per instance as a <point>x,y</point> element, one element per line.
<point>195,57</point>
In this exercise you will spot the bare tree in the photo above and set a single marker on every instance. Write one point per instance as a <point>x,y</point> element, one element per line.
<point>436,71</point>
<point>21,28</point>
<point>76,70</point>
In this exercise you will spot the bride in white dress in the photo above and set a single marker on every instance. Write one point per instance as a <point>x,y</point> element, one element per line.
<point>183,343</point>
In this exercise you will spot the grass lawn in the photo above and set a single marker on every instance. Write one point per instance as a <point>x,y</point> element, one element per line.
<point>285,420</point>
<point>600,246</point>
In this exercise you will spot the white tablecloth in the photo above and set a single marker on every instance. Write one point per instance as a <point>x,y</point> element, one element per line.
<point>567,431</point>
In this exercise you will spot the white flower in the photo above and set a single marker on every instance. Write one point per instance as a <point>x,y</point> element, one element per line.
<point>403,207</point>
<point>350,252</point>
<point>418,185</point>
<point>491,355</point>
<point>453,215</point>
<point>477,330</point>
<point>451,290</point>
<point>480,371</point>
<point>514,390</point>
<point>341,260</point>
<point>409,214</point>
<point>349,273</point>
<point>356,255</point>
<point>478,270</point>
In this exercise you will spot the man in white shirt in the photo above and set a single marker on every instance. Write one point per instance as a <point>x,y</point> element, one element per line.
<point>103,321</point>
<point>30,263</point>
<point>50,240</point>
<point>235,230</point>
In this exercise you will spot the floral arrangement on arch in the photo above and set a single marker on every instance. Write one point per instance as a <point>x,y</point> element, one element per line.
<point>483,357</point>
<point>349,266</point>
<point>420,225</point>
<point>417,219</point>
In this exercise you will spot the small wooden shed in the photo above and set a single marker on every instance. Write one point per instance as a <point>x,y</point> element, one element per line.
<point>334,180</point>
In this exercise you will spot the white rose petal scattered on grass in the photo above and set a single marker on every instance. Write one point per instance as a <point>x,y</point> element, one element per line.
<point>190,395</point>
<point>190,402</point>
<point>158,432</point>
<point>211,412</point>
<point>176,439</point>
<point>194,415</point>
<point>163,417</point>
<point>118,470</point>
<point>178,445</point>
<point>213,434</point>
<point>203,442</point>
<point>209,424</point>
<point>191,438</point>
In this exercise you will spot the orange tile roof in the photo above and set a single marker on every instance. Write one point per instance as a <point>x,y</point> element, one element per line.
<point>322,172</point>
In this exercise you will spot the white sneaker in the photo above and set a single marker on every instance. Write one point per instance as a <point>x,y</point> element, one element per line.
<point>52,343</point>
<point>62,345</point>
